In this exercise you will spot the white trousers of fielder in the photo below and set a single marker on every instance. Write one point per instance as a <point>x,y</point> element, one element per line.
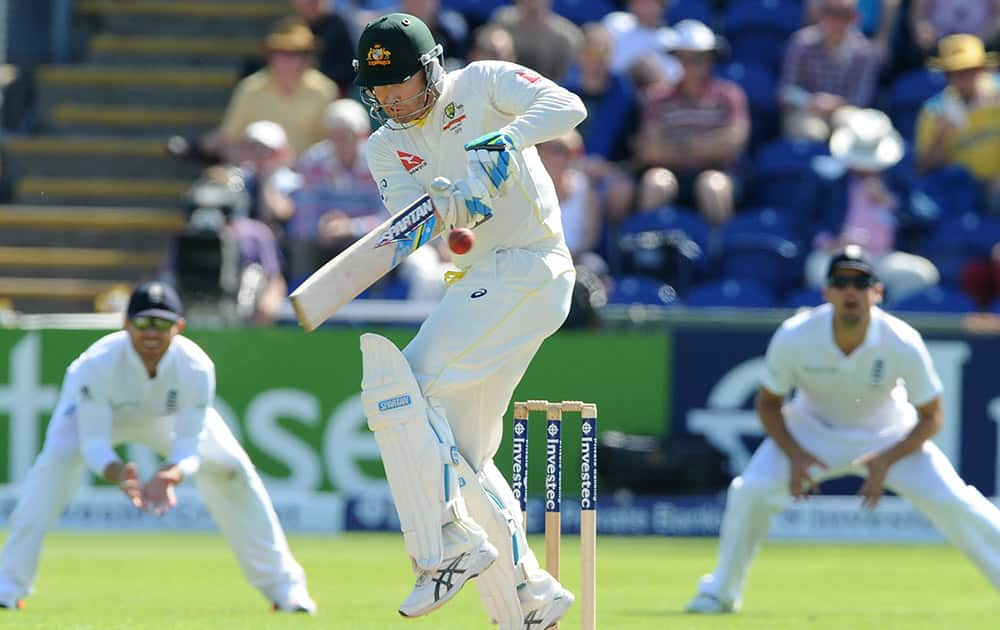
<point>468,357</point>
<point>925,478</point>
<point>227,482</point>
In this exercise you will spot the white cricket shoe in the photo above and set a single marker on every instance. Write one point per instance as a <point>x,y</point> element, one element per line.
<point>436,587</point>
<point>296,601</point>
<point>549,613</point>
<point>706,604</point>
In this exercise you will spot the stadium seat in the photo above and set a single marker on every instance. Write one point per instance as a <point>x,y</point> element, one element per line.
<point>759,30</point>
<point>936,299</point>
<point>779,169</point>
<point>761,87</point>
<point>907,94</point>
<point>642,290</point>
<point>731,293</point>
<point>583,11</point>
<point>773,221</point>
<point>479,10</point>
<point>804,297</point>
<point>700,10</point>
<point>957,240</point>
<point>670,218</point>
<point>953,188</point>
<point>667,244</point>
<point>766,259</point>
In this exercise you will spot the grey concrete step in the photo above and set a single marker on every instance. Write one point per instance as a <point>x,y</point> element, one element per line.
<point>130,50</point>
<point>53,294</point>
<point>131,120</point>
<point>125,228</point>
<point>184,18</point>
<point>92,191</point>
<point>90,84</point>
<point>54,156</point>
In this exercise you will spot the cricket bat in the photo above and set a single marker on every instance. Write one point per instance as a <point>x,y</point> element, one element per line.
<point>363,263</point>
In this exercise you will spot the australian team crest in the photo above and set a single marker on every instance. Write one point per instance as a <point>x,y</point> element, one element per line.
<point>449,110</point>
<point>378,56</point>
<point>454,114</point>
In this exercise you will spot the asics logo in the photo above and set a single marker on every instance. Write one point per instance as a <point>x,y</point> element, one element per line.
<point>445,577</point>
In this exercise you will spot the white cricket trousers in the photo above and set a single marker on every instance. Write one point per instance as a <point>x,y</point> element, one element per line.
<point>227,481</point>
<point>468,357</point>
<point>925,478</point>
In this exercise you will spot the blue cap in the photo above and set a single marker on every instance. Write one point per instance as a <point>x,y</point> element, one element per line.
<point>851,257</point>
<point>155,299</point>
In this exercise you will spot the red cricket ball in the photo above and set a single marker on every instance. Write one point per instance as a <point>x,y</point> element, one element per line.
<point>461,240</point>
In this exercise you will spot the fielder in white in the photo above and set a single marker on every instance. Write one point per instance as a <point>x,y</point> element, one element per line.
<point>149,385</point>
<point>437,408</point>
<point>867,402</point>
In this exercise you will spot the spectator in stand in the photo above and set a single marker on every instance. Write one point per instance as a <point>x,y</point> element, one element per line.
<point>932,20</point>
<point>581,214</point>
<point>827,65</point>
<point>961,124</point>
<point>337,200</point>
<point>334,39</point>
<point>861,204</point>
<point>608,95</point>
<point>448,27</point>
<point>877,19</point>
<point>266,158</point>
<point>288,91</point>
<point>693,134</point>
<point>492,42</point>
<point>641,32</point>
<point>544,41</point>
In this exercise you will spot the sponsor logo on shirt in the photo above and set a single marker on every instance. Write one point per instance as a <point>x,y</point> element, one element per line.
<point>412,163</point>
<point>171,401</point>
<point>530,77</point>
<point>478,293</point>
<point>878,370</point>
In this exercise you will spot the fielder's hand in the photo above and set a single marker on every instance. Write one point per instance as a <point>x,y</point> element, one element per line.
<point>491,161</point>
<point>800,482</point>
<point>128,481</point>
<point>158,495</point>
<point>874,486</point>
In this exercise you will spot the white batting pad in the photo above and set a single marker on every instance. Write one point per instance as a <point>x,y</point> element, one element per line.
<point>419,459</point>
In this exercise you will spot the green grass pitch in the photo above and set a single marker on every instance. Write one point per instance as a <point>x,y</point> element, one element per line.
<point>133,581</point>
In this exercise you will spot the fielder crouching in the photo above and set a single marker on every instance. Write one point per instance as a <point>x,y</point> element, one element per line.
<point>150,385</point>
<point>437,408</point>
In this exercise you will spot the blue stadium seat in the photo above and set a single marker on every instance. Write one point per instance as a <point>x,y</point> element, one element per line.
<point>669,244</point>
<point>907,94</point>
<point>953,188</point>
<point>761,87</point>
<point>582,11</point>
<point>766,259</point>
<point>670,218</point>
<point>803,298</point>
<point>779,169</point>
<point>759,30</point>
<point>773,221</point>
<point>936,299</point>
<point>700,10</point>
<point>479,10</point>
<point>731,293</point>
<point>642,290</point>
<point>957,240</point>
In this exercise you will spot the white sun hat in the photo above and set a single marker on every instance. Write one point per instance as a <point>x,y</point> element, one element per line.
<point>864,139</point>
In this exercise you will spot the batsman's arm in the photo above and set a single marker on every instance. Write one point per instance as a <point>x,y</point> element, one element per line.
<point>542,110</point>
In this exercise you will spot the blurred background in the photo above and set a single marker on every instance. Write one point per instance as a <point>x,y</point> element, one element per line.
<point>731,146</point>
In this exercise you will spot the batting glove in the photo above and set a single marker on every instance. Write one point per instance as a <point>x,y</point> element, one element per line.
<point>470,204</point>
<point>491,160</point>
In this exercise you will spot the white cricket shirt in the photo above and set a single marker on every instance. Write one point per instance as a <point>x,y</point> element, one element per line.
<point>870,389</point>
<point>108,386</point>
<point>483,97</point>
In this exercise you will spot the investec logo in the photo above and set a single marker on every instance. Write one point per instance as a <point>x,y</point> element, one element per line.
<point>587,464</point>
<point>518,469</point>
<point>552,469</point>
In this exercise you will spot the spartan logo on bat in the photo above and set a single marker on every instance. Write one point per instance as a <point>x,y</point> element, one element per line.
<point>407,226</point>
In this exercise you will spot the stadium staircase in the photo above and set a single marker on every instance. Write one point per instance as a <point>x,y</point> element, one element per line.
<point>97,196</point>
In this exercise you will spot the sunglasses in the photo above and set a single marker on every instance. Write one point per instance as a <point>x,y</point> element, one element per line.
<point>145,323</point>
<point>858,282</point>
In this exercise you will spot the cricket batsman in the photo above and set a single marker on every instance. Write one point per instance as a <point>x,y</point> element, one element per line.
<point>151,385</point>
<point>437,408</point>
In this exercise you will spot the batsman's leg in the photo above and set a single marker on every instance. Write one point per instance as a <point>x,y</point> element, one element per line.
<point>238,502</point>
<point>419,455</point>
<point>47,488</point>
<point>959,511</point>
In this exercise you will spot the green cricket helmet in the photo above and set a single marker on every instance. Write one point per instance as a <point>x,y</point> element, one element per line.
<point>392,49</point>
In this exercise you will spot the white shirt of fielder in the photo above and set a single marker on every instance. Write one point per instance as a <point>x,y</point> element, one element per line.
<point>867,402</point>
<point>150,385</point>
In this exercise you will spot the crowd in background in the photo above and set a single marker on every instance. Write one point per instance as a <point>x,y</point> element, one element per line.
<point>730,147</point>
